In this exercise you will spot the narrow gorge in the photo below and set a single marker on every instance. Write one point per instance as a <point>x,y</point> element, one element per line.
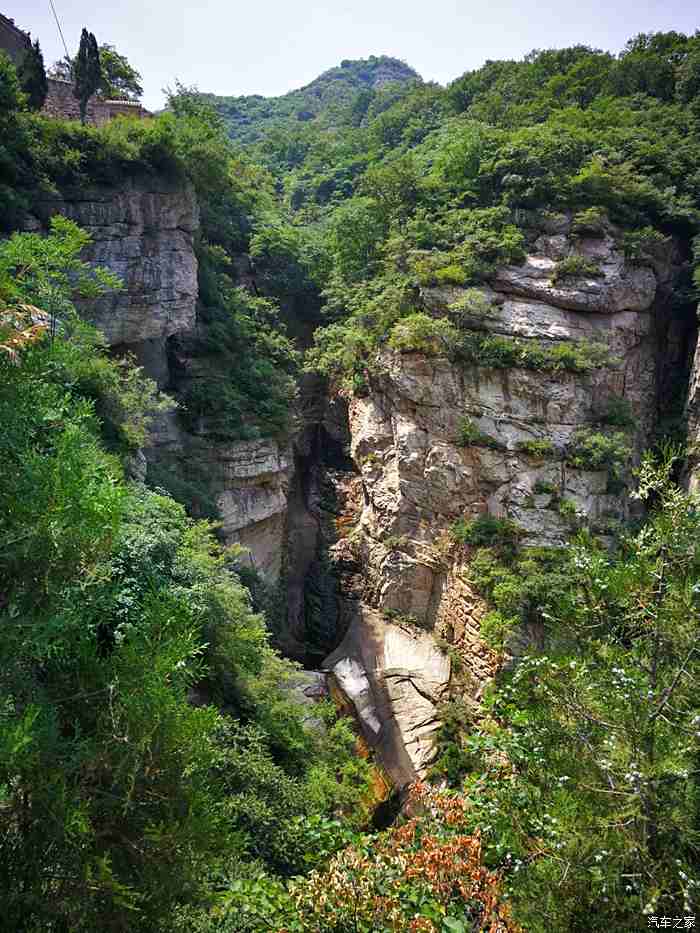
<point>349,517</point>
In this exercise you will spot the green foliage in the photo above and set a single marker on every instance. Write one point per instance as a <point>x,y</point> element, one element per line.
<point>638,245</point>
<point>118,78</point>
<point>590,760</point>
<point>539,448</point>
<point>473,303</point>
<point>618,413</point>
<point>333,93</point>
<point>543,487</point>
<point>125,790</point>
<point>591,221</point>
<point>418,333</point>
<point>246,387</point>
<point>87,72</point>
<point>568,511</point>
<point>32,76</point>
<point>575,267</point>
<point>595,450</point>
<point>48,272</point>
<point>468,435</point>
<point>496,352</point>
<point>486,530</point>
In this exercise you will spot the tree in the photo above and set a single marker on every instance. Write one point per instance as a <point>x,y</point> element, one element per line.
<point>32,76</point>
<point>591,799</point>
<point>62,69</point>
<point>119,79</point>
<point>86,71</point>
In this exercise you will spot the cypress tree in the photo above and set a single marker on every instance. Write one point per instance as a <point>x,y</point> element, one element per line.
<point>32,76</point>
<point>86,71</point>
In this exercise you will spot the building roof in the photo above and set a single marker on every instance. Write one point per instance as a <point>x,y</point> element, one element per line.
<point>10,24</point>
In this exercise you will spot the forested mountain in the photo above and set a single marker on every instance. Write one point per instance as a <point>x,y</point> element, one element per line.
<point>353,84</point>
<point>395,380</point>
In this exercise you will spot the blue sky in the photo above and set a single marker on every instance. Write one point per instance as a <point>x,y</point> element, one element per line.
<point>269,47</point>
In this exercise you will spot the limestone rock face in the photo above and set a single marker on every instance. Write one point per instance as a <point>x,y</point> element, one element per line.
<point>418,478</point>
<point>248,481</point>
<point>143,230</point>
<point>394,677</point>
<point>619,287</point>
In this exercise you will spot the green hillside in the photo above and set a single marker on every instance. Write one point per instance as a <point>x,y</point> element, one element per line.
<point>325,98</point>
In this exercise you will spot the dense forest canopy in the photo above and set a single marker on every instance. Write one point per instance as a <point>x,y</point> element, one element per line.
<point>126,806</point>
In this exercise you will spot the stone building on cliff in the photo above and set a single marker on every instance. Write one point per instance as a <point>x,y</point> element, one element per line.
<point>60,101</point>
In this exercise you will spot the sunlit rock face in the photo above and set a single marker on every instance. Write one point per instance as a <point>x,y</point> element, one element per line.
<point>418,477</point>
<point>394,678</point>
<point>246,481</point>
<point>143,230</point>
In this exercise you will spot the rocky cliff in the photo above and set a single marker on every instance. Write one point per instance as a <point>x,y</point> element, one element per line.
<point>420,473</point>
<point>144,231</point>
<point>356,515</point>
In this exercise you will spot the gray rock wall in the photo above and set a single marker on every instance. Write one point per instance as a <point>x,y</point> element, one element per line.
<point>143,230</point>
<point>418,479</point>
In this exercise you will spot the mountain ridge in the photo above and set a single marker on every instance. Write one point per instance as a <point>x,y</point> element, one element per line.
<point>248,116</point>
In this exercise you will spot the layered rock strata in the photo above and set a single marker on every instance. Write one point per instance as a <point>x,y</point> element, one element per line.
<point>419,477</point>
<point>144,231</point>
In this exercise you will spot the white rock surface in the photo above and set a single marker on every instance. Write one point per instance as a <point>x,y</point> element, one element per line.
<point>395,677</point>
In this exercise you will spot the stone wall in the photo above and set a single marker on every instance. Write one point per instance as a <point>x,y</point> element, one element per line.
<point>61,103</point>
<point>12,40</point>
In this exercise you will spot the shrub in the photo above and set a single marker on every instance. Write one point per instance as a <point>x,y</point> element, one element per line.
<point>575,267</point>
<point>472,302</point>
<point>395,542</point>
<point>450,275</point>
<point>594,450</point>
<point>568,511</point>
<point>590,222</point>
<point>543,487</point>
<point>495,629</point>
<point>618,413</point>
<point>469,435</point>
<point>418,333</point>
<point>401,618</point>
<point>486,531</point>
<point>496,352</point>
<point>425,869</point>
<point>637,245</point>
<point>539,448</point>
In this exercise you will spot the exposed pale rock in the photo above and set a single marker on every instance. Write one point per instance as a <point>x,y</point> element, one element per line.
<point>394,677</point>
<point>142,230</point>
<point>620,286</point>
<point>249,480</point>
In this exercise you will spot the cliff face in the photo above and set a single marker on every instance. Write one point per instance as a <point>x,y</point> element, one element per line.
<point>418,478</point>
<point>356,514</point>
<point>144,231</point>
